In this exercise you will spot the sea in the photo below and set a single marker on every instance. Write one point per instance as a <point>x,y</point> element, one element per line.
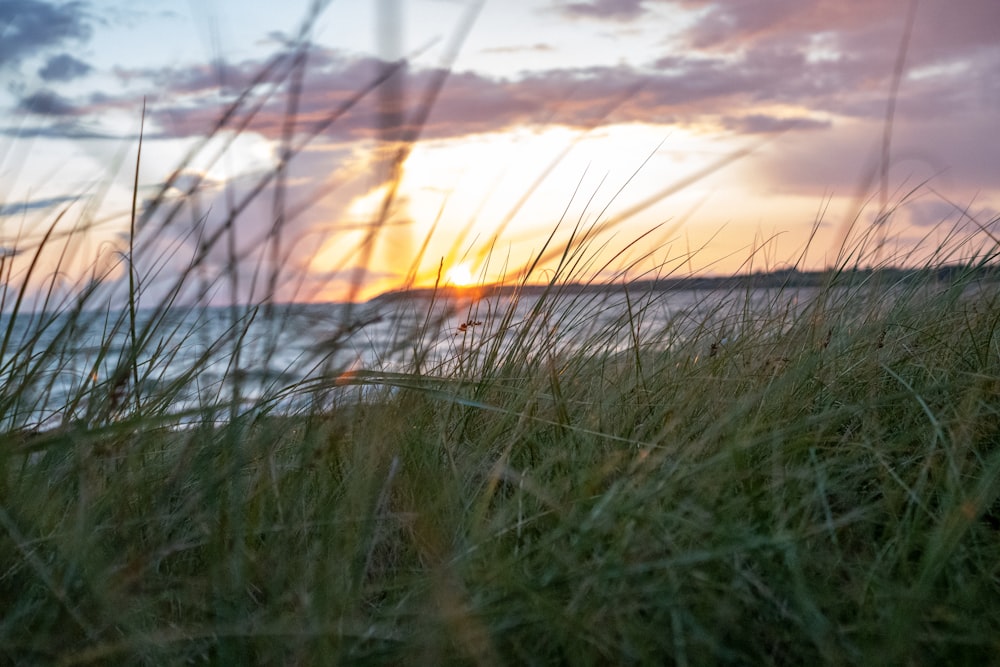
<point>193,363</point>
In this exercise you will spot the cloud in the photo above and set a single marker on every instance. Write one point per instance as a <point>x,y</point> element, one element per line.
<point>539,47</point>
<point>952,217</point>
<point>696,88</point>
<point>742,63</point>
<point>21,207</point>
<point>868,30</point>
<point>675,90</point>
<point>622,10</point>
<point>199,78</point>
<point>64,67</point>
<point>189,102</point>
<point>813,65</point>
<point>764,124</point>
<point>48,103</point>
<point>33,26</point>
<point>67,130</point>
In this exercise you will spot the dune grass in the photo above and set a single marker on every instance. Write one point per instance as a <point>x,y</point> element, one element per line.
<point>786,481</point>
<point>770,477</point>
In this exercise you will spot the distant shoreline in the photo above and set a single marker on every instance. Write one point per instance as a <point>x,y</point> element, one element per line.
<point>789,278</point>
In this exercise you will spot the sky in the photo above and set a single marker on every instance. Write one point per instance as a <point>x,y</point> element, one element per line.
<point>378,144</point>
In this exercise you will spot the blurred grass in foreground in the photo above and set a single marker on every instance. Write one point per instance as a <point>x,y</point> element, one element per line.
<point>819,485</point>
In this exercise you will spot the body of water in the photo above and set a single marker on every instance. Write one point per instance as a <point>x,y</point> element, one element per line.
<point>54,366</point>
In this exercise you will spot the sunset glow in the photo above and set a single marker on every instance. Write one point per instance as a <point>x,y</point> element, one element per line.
<point>460,275</point>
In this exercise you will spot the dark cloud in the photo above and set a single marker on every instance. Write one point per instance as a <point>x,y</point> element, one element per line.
<point>862,29</point>
<point>33,26</point>
<point>943,214</point>
<point>932,213</point>
<point>21,207</point>
<point>48,103</point>
<point>204,78</point>
<point>728,24</point>
<point>66,130</point>
<point>605,9</point>
<point>64,67</point>
<point>229,77</point>
<point>691,88</point>
<point>189,102</point>
<point>943,155</point>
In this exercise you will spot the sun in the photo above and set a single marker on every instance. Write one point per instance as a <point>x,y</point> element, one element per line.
<point>460,275</point>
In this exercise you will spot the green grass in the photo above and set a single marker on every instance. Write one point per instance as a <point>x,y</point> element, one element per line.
<point>773,482</point>
<point>821,487</point>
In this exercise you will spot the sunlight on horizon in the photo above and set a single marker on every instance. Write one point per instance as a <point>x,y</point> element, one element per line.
<point>460,275</point>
